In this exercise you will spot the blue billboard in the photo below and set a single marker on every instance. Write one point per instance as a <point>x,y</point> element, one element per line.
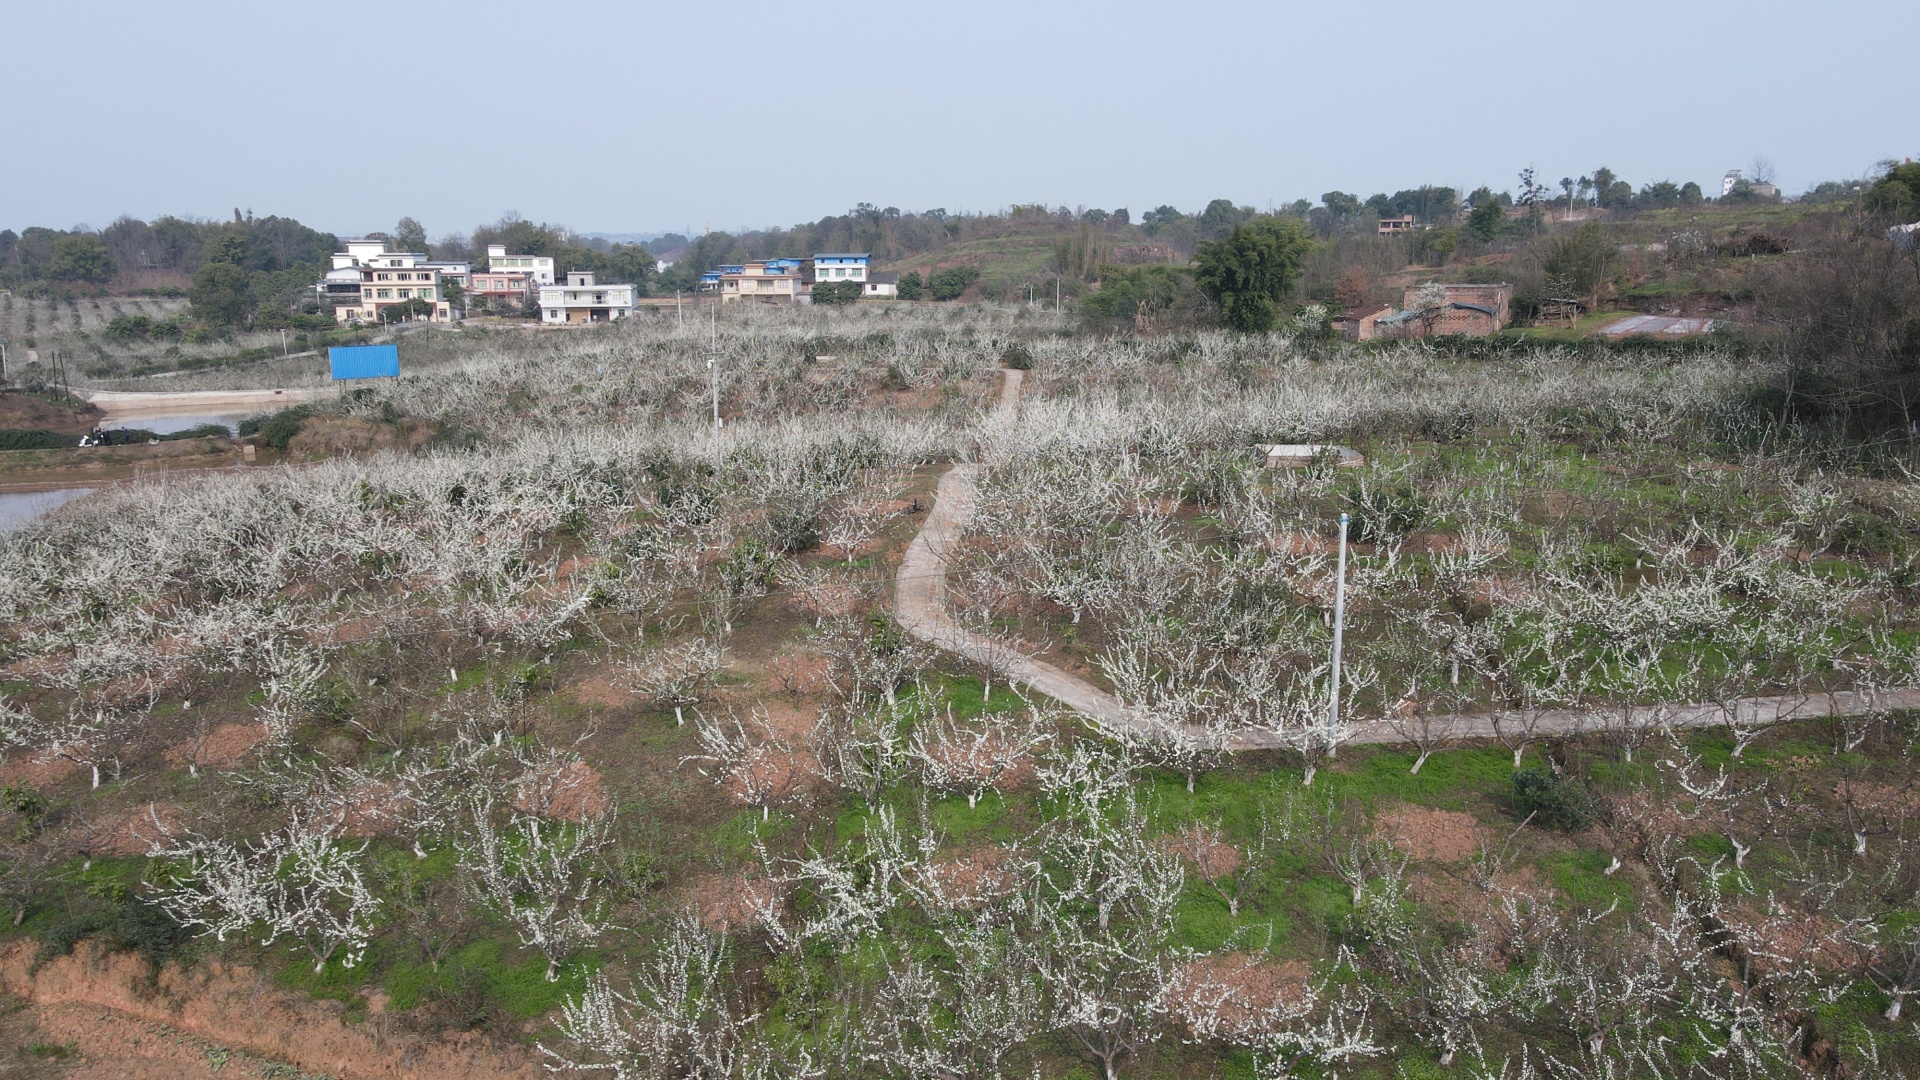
<point>364,361</point>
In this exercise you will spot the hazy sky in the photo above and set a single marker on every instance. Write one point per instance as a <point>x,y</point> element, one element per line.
<point>630,117</point>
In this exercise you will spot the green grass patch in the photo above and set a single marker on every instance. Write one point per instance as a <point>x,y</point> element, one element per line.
<point>487,974</point>
<point>967,696</point>
<point>1579,875</point>
<point>737,834</point>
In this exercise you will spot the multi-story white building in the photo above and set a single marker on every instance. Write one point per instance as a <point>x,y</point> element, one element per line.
<point>452,272</point>
<point>582,300</point>
<point>840,266</point>
<point>540,267</point>
<point>359,253</point>
<point>367,279</point>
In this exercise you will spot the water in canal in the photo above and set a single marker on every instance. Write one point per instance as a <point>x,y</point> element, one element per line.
<point>18,509</point>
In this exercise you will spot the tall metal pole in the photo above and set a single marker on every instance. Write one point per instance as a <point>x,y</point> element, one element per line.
<point>1339,626</point>
<point>713,371</point>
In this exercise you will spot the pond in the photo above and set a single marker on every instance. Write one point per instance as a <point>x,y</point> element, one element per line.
<point>18,509</point>
<point>167,425</point>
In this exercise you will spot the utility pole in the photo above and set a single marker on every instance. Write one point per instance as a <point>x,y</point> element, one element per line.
<point>283,344</point>
<point>713,371</point>
<point>678,318</point>
<point>1339,626</point>
<point>1056,296</point>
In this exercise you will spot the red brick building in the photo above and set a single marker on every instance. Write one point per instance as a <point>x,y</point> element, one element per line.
<point>1359,324</point>
<point>1469,310</point>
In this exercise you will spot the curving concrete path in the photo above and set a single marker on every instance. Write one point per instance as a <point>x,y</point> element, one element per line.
<point>920,606</point>
<point>920,591</point>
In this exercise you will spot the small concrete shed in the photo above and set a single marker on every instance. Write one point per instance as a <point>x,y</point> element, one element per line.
<point>1297,455</point>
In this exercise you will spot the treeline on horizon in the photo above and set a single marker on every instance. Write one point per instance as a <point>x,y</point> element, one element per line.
<point>267,265</point>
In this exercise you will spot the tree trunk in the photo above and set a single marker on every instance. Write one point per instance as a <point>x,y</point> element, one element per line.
<point>1419,761</point>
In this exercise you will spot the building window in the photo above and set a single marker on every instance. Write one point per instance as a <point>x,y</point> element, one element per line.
<point>386,294</point>
<point>405,294</point>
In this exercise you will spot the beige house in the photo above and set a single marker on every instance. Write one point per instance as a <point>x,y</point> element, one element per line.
<point>396,280</point>
<point>766,281</point>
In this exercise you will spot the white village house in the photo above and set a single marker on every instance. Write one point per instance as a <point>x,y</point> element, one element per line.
<point>540,267</point>
<point>582,300</point>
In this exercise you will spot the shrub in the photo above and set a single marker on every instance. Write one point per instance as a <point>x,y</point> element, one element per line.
<point>910,286</point>
<point>1556,801</point>
<point>837,292</point>
<point>278,429</point>
<point>129,328</point>
<point>949,282</point>
<point>1018,357</point>
<point>1152,291</point>
<point>1385,513</point>
<point>33,439</point>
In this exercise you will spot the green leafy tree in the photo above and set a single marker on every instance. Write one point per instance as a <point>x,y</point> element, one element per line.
<point>1603,181</point>
<point>1250,272</point>
<point>1487,220</point>
<point>1219,218</point>
<point>622,264</point>
<point>1578,265</point>
<point>1149,291</point>
<point>222,290</point>
<point>80,257</point>
<point>1896,194</point>
<point>407,309</point>
<point>408,235</point>
<point>1660,194</point>
<point>1159,218</point>
<point>910,286</point>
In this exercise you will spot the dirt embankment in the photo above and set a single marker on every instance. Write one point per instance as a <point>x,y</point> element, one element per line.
<point>234,1007</point>
<point>30,470</point>
<point>29,411</point>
